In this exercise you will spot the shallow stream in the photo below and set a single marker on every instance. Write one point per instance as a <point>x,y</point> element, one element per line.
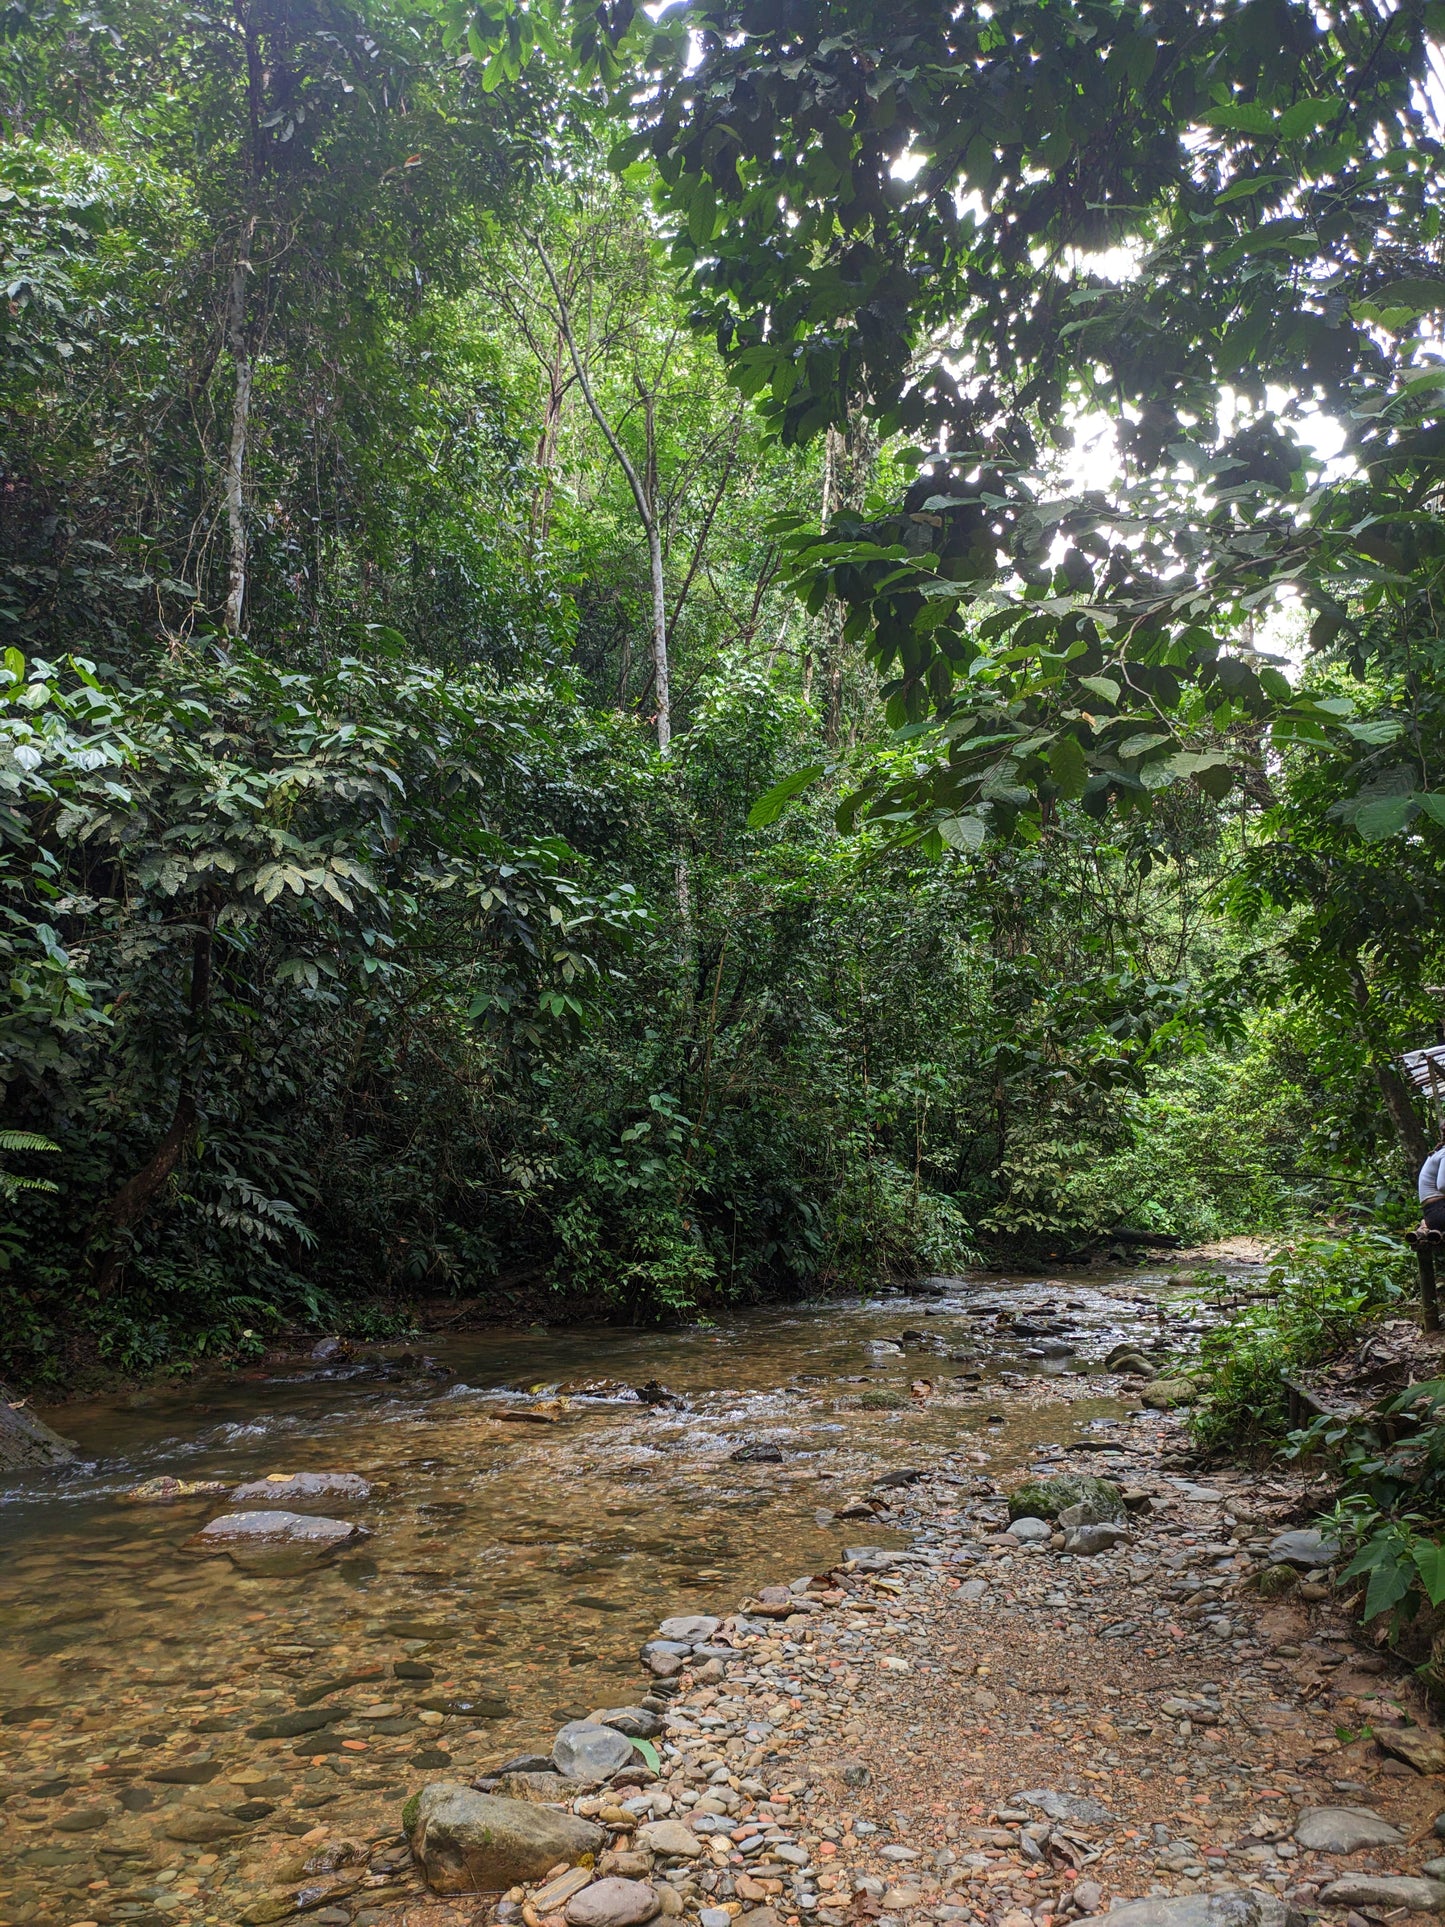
<point>530,1522</point>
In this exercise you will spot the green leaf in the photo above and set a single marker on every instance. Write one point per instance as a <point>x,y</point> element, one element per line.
<point>1140,744</point>
<point>1306,115</point>
<point>1432,804</point>
<point>1068,765</point>
<point>649,1753</point>
<point>963,832</point>
<point>1389,1583</point>
<point>1430,1564</point>
<point>1387,816</point>
<point>1104,687</point>
<point>770,806</point>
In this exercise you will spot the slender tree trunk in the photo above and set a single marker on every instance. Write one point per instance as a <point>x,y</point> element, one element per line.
<point>547,443</point>
<point>233,487</point>
<point>847,466</point>
<point>134,1197</point>
<point>661,683</point>
<point>1390,1081</point>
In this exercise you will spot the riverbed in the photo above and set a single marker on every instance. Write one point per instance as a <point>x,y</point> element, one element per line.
<point>532,1515</point>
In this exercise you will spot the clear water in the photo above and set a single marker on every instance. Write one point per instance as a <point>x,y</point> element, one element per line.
<point>521,1562</point>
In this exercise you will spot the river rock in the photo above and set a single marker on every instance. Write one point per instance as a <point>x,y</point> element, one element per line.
<point>274,1541</point>
<point>1242,1909</point>
<point>201,1829</point>
<point>1306,1548</point>
<point>26,1440</point>
<point>613,1902</point>
<point>1344,1830</point>
<point>166,1490</point>
<point>468,1842</point>
<point>635,1721</point>
<point>689,1626</point>
<point>301,1491</point>
<point>670,1838</point>
<point>1046,1498</point>
<point>1420,1896</point>
<point>81,1819</point>
<point>1031,1532</point>
<point>585,1750</point>
<point>1085,1541</point>
<point>1067,1806</point>
<point>1163,1394</point>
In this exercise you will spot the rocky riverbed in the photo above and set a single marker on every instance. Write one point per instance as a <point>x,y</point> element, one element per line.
<point>885,1700</point>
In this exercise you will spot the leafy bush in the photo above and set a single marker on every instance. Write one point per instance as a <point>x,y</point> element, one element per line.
<point>1319,1294</point>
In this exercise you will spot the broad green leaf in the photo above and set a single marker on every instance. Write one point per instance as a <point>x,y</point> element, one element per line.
<point>770,806</point>
<point>1068,765</point>
<point>1104,687</point>
<point>1433,804</point>
<point>1430,1564</point>
<point>963,832</point>
<point>1387,816</point>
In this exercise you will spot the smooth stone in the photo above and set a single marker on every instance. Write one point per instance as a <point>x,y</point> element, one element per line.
<point>689,1626</point>
<point>1420,1896</point>
<point>1163,1394</point>
<point>584,1750</point>
<point>1306,1548</point>
<point>1031,1532</point>
<point>1435,1869</point>
<point>1240,1909</point>
<point>1085,1541</point>
<point>200,1829</point>
<point>274,1535</point>
<point>635,1721</point>
<point>290,1726</point>
<point>81,1819</point>
<point>758,1917</point>
<point>1344,1830</point>
<point>556,1893</point>
<point>300,1490</point>
<point>612,1902</point>
<point>670,1838</point>
<point>1067,1806</point>
<point>715,1917</point>
<point>188,1773</point>
<point>469,1842</point>
<point>972,1591</point>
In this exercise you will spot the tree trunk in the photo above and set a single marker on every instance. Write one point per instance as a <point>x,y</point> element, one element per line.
<point>847,467</point>
<point>662,687</point>
<point>130,1203</point>
<point>1395,1092</point>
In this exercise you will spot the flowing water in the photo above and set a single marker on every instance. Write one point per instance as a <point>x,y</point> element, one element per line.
<point>530,1521</point>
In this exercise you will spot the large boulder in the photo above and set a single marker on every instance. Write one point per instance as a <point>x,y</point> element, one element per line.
<point>1411,1891</point>
<point>1047,1498</point>
<point>26,1440</point>
<point>467,1842</point>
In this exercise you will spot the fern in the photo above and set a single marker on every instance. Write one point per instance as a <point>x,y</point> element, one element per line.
<point>11,1182</point>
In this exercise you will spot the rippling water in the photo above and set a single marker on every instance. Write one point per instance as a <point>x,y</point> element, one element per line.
<point>521,1561</point>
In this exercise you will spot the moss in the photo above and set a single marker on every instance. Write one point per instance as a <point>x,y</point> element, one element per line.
<point>1047,1498</point>
<point>1275,1580</point>
<point>409,1815</point>
<point>881,1401</point>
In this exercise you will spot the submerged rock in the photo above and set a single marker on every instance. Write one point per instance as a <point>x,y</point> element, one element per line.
<point>467,1842</point>
<point>164,1490</point>
<point>1243,1909</point>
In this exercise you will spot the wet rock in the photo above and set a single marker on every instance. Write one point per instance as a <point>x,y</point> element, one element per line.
<point>325,1350</point>
<point>669,1838</point>
<point>81,1819</point>
<point>1306,1548</point>
<point>290,1726</point>
<point>300,1491</point>
<point>164,1490</point>
<point>410,1669</point>
<point>1240,1909</point>
<point>275,1542</point>
<point>26,1440</point>
<point>186,1773</point>
<point>1344,1830</point>
<point>587,1751</point>
<point>613,1902</point>
<point>200,1829</point>
<point>758,1455</point>
<point>469,1842</point>
<point>635,1721</point>
<point>1046,1498</point>
<point>1419,1895</point>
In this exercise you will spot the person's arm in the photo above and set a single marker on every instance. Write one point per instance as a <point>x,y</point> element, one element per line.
<point>1432,1179</point>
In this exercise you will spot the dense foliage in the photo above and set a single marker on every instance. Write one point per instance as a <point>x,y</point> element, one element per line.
<point>572,734</point>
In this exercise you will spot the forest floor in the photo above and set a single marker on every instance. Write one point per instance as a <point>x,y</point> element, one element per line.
<point>978,1730</point>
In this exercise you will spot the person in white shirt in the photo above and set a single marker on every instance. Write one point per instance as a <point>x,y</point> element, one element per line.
<point>1432,1191</point>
